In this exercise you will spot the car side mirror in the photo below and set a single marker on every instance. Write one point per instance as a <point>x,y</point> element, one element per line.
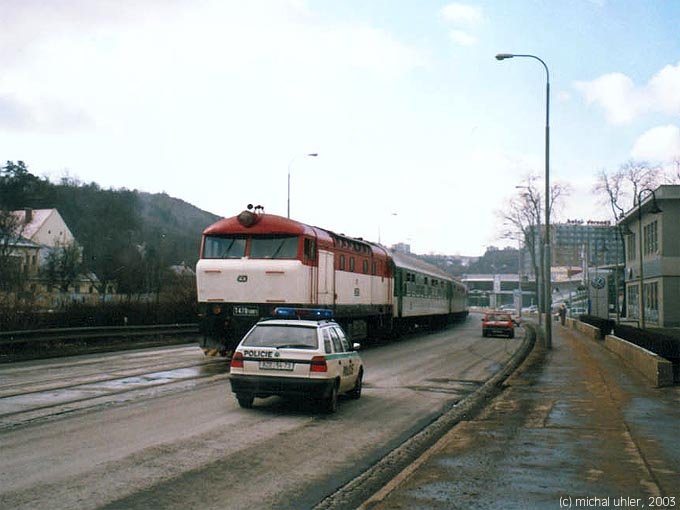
<point>356,346</point>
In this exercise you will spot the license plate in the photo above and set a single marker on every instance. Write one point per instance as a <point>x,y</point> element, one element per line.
<point>276,365</point>
<point>246,311</point>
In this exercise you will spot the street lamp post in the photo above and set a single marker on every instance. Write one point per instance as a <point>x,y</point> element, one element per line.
<point>519,275</point>
<point>313,155</point>
<point>654,210</point>
<point>546,247</point>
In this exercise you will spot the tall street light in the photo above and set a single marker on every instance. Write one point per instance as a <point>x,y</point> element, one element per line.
<point>519,274</point>
<point>312,155</point>
<point>546,247</point>
<point>654,210</point>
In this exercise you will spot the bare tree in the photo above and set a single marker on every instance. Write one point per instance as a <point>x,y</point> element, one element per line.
<point>522,218</point>
<point>622,186</point>
<point>63,264</point>
<point>11,230</point>
<point>638,175</point>
<point>610,187</point>
<point>673,173</point>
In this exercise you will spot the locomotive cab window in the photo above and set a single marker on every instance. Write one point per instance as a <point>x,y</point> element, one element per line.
<point>224,247</point>
<point>274,247</point>
<point>310,249</point>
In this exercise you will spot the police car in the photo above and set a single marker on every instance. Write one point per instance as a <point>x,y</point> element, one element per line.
<point>300,353</point>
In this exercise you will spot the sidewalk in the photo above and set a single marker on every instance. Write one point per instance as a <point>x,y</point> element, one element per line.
<point>574,427</point>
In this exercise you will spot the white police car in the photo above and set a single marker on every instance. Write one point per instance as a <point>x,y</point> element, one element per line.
<point>300,352</point>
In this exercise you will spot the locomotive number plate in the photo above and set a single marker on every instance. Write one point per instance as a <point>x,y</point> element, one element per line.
<point>276,365</point>
<point>246,311</point>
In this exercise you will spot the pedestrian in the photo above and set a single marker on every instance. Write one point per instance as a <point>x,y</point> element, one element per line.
<point>563,313</point>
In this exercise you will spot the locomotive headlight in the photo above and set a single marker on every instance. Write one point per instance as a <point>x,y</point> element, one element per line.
<point>247,218</point>
<point>216,309</point>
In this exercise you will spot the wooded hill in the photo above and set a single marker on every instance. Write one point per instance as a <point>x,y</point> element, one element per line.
<point>125,235</point>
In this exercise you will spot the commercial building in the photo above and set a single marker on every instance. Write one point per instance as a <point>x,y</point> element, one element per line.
<point>579,243</point>
<point>597,243</point>
<point>652,236</point>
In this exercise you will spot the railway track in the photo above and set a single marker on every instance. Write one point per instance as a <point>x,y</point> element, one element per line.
<point>41,389</point>
<point>53,342</point>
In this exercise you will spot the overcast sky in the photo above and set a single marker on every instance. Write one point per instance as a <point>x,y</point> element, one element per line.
<point>422,135</point>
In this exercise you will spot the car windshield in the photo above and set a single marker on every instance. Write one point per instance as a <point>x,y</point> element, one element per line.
<point>282,336</point>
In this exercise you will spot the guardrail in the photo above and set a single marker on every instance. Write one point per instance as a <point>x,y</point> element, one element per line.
<point>102,332</point>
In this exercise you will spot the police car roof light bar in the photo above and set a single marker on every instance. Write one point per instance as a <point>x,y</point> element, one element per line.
<point>282,312</point>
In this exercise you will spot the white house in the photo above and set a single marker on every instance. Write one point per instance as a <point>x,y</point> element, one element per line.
<point>44,227</point>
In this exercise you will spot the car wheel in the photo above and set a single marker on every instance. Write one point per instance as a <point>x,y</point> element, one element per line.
<point>484,333</point>
<point>245,401</point>
<point>330,404</point>
<point>356,391</point>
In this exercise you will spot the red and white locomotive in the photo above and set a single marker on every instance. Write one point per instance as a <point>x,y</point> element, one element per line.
<point>251,263</point>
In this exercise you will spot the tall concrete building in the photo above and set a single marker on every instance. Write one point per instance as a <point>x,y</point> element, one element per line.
<point>598,242</point>
<point>579,243</point>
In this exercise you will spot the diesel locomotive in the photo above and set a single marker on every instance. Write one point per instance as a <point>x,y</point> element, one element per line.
<point>254,262</point>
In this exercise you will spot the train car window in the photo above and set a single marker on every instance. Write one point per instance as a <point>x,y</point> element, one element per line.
<point>364,266</point>
<point>341,263</point>
<point>274,247</point>
<point>351,263</point>
<point>229,247</point>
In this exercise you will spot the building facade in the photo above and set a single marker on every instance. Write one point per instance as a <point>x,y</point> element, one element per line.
<point>652,272</point>
<point>598,243</point>
<point>39,231</point>
<point>580,244</point>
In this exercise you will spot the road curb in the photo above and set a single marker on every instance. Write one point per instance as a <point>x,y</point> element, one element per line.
<point>374,484</point>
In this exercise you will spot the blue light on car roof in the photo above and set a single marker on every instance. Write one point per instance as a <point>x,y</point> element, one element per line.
<point>303,313</point>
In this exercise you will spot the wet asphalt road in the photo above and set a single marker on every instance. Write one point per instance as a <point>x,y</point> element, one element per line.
<point>167,432</point>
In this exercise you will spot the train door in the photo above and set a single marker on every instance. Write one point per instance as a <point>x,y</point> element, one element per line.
<point>399,289</point>
<point>326,279</point>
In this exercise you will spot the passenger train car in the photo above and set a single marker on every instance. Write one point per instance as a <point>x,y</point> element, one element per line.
<point>251,263</point>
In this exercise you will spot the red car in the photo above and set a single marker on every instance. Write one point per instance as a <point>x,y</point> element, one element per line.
<point>498,323</point>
